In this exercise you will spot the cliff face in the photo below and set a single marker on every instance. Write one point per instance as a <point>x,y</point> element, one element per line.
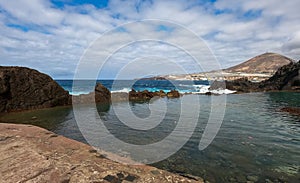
<point>23,88</point>
<point>286,78</point>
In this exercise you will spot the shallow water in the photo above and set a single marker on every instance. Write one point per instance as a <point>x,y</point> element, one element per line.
<point>256,141</point>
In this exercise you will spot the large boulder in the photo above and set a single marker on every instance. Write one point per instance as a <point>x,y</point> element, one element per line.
<point>23,88</point>
<point>101,95</point>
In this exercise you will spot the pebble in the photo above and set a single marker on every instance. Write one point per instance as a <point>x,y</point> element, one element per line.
<point>240,178</point>
<point>155,172</point>
<point>268,181</point>
<point>252,178</point>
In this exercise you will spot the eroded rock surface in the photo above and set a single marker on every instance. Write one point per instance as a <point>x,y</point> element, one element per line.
<point>33,154</point>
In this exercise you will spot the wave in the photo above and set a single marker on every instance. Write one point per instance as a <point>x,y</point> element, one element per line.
<point>78,93</point>
<point>194,89</point>
<point>123,90</point>
<point>202,89</point>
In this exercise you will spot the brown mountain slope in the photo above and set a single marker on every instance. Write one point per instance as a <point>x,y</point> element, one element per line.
<point>266,63</point>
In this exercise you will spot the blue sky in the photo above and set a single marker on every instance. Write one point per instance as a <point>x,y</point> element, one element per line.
<point>52,35</point>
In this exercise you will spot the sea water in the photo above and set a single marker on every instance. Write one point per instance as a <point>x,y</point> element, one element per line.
<point>183,86</point>
<point>256,142</point>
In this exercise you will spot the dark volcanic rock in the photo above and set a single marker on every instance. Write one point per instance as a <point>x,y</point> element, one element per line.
<point>242,85</point>
<point>173,94</point>
<point>140,95</point>
<point>160,93</point>
<point>23,88</point>
<point>145,95</point>
<point>286,78</point>
<point>101,95</point>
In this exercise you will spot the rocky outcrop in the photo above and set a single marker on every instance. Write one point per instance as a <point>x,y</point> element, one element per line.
<point>23,88</point>
<point>242,85</point>
<point>101,95</point>
<point>140,95</point>
<point>147,95</point>
<point>173,94</point>
<point>33,154</point>
<point>286,78</point>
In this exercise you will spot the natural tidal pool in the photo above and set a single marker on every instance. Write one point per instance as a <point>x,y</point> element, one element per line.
<point>256,142</point>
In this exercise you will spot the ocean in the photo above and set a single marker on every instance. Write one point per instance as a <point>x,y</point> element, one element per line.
<point>86,86</point>
<point>256,141</point>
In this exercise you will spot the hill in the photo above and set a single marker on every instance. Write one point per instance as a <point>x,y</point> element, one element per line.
<point>267,63</point>
<point>286,78</point>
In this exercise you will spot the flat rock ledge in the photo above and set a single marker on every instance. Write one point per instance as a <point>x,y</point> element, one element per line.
<point>32,154</point>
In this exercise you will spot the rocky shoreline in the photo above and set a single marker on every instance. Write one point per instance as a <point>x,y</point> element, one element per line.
<point>30,153</point>
<point>286,78</point>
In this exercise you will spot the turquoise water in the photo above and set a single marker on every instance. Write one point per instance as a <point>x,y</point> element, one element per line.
<point>256,141</point>
<point>86,86</point>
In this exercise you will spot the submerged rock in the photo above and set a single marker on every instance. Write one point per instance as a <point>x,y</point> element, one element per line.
<point>291,110</point>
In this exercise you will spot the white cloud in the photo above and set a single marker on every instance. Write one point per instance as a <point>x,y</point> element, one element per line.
<point>54,39</point>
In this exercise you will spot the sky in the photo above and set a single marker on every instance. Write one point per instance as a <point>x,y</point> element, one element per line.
<point>53,36</point>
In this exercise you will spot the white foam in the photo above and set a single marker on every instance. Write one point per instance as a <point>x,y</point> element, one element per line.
<point>222,91</point>
<point>124,90</point>
<point>78,93</point>
<point>202,89</point>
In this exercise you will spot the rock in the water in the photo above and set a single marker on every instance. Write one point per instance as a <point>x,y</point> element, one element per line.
<point>100,95</point>
<point>23,88</point>
<point>160,93</point>
<point>140,95</point>
<point>173,94</point>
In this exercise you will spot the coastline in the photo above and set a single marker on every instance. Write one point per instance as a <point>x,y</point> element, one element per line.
<point>30,153</point>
